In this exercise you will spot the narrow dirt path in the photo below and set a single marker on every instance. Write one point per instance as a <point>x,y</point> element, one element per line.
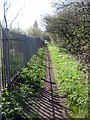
<point>50,103</point>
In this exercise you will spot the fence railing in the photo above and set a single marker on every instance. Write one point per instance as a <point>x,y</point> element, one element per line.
<point>17,49</point>
<point>0,58</point>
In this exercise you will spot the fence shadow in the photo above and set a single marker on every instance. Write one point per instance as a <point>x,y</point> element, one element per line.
<point>39,106</point>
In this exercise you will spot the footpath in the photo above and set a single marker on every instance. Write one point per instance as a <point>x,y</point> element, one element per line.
<point>50,104</point>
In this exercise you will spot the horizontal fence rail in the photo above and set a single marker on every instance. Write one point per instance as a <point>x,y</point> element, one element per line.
<point>17,51</point>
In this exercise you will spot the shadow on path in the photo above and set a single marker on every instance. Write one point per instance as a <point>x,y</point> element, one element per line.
<point>49,104</point>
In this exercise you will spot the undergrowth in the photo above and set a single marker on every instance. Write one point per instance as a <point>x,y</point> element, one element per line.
<point>71,79</point>
<point>23,91</point>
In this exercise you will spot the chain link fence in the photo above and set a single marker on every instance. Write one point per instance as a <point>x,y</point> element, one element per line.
<point>17,49</point>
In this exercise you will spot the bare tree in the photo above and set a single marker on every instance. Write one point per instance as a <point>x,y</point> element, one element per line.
<point>6,8</point>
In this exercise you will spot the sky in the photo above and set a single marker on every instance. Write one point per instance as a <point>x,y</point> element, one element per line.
<point>31,10</point>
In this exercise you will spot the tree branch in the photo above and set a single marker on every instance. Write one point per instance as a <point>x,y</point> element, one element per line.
<point>15,17</point>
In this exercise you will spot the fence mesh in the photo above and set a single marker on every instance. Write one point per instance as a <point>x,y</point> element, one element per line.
<point>17,51</point>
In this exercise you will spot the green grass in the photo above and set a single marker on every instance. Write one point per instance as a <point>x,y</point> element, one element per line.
<point>69,75</point>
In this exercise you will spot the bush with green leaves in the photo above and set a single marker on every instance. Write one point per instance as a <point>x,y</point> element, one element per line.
<point>16,62</point>
<point>22,91</point>
<point>34,72</point>
<point>71,79</point>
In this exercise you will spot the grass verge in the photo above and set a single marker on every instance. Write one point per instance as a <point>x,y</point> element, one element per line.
<point>70,77</point>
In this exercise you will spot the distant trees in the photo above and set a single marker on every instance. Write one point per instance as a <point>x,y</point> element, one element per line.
<point>34,31</point>
<point>18,30</point>
<point>70,25</point>
<point>35,24</point>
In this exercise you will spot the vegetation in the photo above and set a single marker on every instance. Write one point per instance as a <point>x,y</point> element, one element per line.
<point>71,80</point>
<point>16,62</point>
<point>34,31</point>
<point>69,27</point>
<point>21,92</point>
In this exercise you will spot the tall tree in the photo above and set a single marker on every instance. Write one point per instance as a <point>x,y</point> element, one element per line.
<point>34,31</point>
<point>70,25</point>
<point>35,24</point>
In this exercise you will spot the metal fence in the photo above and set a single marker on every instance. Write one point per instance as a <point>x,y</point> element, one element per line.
<point>0,59</point>
<point>17,49</point>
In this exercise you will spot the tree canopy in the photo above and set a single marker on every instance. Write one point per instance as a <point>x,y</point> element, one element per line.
<point>34,31</point>
<point>70,25</point>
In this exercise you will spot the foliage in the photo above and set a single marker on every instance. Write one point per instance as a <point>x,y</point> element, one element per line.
<point>21,92</point>
<point>17,30</point>
<point>35,24</point>
<point>34,72</point>
<point>34,31</point>
<point>70,25</point>
<point>71,80</point>
<point>45,36</point>
<point>16,62</point>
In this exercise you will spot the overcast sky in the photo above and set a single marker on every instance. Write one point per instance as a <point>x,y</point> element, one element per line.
<point>33,10</point>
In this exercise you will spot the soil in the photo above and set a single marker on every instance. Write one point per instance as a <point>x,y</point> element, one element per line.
<point>51,105</point>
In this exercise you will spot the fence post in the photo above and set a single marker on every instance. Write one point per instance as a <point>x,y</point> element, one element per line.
<point>0,71</point>
<point>87,71</point>
<point>5,34</point>
<point>88,74</point>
